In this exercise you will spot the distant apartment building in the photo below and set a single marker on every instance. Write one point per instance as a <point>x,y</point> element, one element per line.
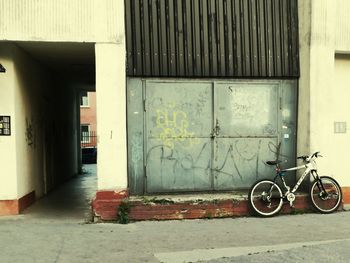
<point>88,119</point>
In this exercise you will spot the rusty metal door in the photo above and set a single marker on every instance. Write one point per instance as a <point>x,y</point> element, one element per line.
<point>178,136</point>
<point>245,134</point>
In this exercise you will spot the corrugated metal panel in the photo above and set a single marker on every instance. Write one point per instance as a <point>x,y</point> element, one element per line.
<point>212,38</point>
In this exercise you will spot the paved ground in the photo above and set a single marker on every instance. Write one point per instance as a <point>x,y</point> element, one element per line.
<point>55,230</point>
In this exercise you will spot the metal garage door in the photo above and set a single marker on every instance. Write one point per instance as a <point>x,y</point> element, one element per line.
<point>213,135</point>
<point>178,129</point>
<point>246,125</point>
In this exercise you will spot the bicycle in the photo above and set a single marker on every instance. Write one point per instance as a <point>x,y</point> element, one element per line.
<point>266,197</point>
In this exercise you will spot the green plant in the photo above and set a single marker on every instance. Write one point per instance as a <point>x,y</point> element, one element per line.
<point>295,211</point>
<point>123,212</point>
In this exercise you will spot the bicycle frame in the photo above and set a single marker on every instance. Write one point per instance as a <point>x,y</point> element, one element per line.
<point>310,168</point>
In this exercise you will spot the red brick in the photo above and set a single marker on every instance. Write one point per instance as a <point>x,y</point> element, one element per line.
<point>108,195</point>
<point>106,206</point>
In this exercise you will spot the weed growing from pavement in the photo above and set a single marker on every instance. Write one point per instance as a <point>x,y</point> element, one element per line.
<point>208,215</point>
<point>123,212</point>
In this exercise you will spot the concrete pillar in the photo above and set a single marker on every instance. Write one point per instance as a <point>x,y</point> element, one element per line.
<point>111,116</point>
<point>303,138</point>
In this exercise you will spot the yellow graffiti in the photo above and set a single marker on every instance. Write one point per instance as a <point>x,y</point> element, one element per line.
<point>174,124</point>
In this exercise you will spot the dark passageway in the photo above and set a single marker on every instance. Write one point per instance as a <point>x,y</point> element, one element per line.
<point>70,200</point>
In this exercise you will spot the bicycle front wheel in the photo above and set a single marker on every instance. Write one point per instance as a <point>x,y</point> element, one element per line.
<point>325,194</point>
<point>265,197</point>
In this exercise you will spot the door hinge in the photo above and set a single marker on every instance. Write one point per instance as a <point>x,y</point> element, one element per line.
<point>144,105</point>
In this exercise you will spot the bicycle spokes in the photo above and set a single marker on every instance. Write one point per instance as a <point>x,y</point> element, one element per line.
<point>328,196</point>
<point>325,194</point>
<point>266,198</point>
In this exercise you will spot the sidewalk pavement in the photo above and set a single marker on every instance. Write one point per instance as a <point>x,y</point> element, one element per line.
<point>64,236</point>
<point>30,239</point>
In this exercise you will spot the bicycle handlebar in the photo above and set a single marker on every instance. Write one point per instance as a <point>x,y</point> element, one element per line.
<point>306,157</point>
<point>316,154</point>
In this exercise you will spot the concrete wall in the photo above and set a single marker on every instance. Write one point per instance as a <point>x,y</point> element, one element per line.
<point>303,133</point>
<point>341,22</point>
<point>8,172</point>
<point>338,144</point>
<point>62,20</point>
<point>42,150</point>
<point>97,21</point>
<point>323,91</point>
<point>111,116</point>
<point>30,82</point>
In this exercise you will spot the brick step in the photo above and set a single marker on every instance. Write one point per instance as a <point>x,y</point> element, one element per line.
<point>183,206</point>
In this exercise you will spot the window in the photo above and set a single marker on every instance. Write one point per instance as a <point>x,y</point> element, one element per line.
<point>84,99</point>
<point>85,133</point>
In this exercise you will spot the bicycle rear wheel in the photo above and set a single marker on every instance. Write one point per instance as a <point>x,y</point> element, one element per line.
<point>325,194</point>
<point>266,198</point>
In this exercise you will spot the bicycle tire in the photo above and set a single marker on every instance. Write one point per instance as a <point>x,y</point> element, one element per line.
<point>332,198</point>
<point>259,200</point>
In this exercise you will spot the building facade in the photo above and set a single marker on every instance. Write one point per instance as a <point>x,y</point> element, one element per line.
<point>212,92</point>
<point>53,50</point>
<point>88,125</point>
<point>190,95</point>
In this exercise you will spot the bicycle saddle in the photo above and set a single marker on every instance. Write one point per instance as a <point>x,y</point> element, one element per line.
<point>273,162</point>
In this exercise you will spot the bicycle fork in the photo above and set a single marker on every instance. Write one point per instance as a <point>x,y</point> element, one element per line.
<point>323,193</point>
<point>319,183</point>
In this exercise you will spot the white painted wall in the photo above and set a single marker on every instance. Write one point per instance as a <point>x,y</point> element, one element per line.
<point>341,28</point>
<point>30,82</point>
<point>97,21</point>
<point>111,116</point>
<point>111,107</point>
<point>42,151</point>
<point>8,170</point>
<point>339,143</point>
<point>61,20</point>
<point>323,87</point>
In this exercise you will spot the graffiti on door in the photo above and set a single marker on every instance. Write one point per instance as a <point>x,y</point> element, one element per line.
<point>236,163</point>
<point>173,125</point>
